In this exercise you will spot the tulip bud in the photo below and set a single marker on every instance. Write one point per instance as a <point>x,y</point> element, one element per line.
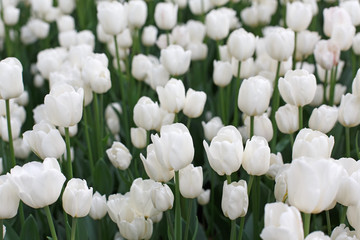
<point>352,7</point>
<point>327,54</point>
<point>112,16</point>
<point>323,118</point>
<point>291,87</point>
<point>112,113</point>
<point>237,41</point>
<point>217,25</point>
<point>175,59</point>
<point>204,197</point>
<point>136,13</point>
<point>335,16</point>
<point>148,37</point>
<point>147,114</point>
<point>39,28</point>
<point>172,96</point>
<point>98,206</point>
<point>11,15</point>
<point>77,198</point>
<point>11,83</point>
<point>194,103</point>
<point>45,140</point>
<point>280,43</point>
<point>138,137</point>
<point>9,197</point>
<point>225,152</point>
<point>46,176</point>
<point>254,95</point>
<point>162,198</point>
<point>256,158</point>
<point>119,155</point>
<point>191,181</point>
<point>349,110</point>
<point>312,143</point>
<point>298,16</point>
<point>282,221</point>
<point>287,119</point>
<point>222,74</point>
<point>262,126</point>
<point>140,66</point>
<point>198,7</point>
<point>165,15</point>
<point>235,200</point>
<point>96,74</point>
<point>21,149</point>
<point>65,23</point>
<point>137,228</point>
<point>305,44</point>
<point>181,35</point>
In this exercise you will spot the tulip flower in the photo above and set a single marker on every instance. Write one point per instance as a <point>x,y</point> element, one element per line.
<point>137,228</point>
<point>96,73</point>
<point>204,197</point>
<point>112,16</point>
<point>148,37</point>
<point>280,43</point>
<point>256,158</point>
<point>349,111</point>
<point>98,206</point>
<point>287,118</point>
<point>323,118</point>
<point>138,137</point>
<point>162,198</point>
<point>282,221</point>
<point>222,73</point>
<point>191,181</point>
<point>327,54</point>
<point>165,15</point>
<point>11,82</point>
<point>119,155</point>
<point>217,25</point>
<point>9,197</point>
<point>112,112</point>
<point>194,103</point>
<point>175,59</point>
<point>136,13</point>
<point>212,127</point>
<point>237,41</point>
<point>235,200</point>
<point>172,96</point>
<point>147,114</point>
<point>225,152</point>
<point>262,126</point>
<point>296,11</point>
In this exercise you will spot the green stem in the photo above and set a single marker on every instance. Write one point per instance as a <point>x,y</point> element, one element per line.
<point>233,230</point>
<point>325,86</point>
<point>291,136</point>
<point>67,226</point>
<point>300,108</point>
<point>237,88</point>
<point>328,222</point>
<point>1,229</point>
<point>169,222</point>
<point>228,179</point>
<point>252,118</point>
<point>294,54</point>
<point>21,212</point>
<point>11,143</point>
<point>97,126</point>
<point>188,219</point>
<point>68,153</point>
<point>168,38</point>
<point>332,85</point>
<point>188,123</point>
<point>51,223</point>
<point>275,106</point>
<point>353,64</point>
<point>178,231</point>
<point>88,143</point>
<point>73,228</point>
<point>307,218</point>
<point>222,105</point>
<point>250,183</point>
<point>256,206</point>
<point>242,223</point>
<point>347,141</point>
<point>343,214</point>
<point>357,145</point>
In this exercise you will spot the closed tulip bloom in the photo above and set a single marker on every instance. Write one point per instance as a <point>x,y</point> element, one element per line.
<point>15,128</point>
<point>235,200</point>
<point>237,41</point>
<point>225,152</point>
<point>174,146</point>
<point>323,118</point>
<point>335,16</point>
<point>97,74</point>
<point>98,206</point>
<point>140,66</point>
<point>175,59</point>
<point>191,181</point>
<point>222,74</point>
<point>308,182</point>
<point>147,114</point>
<point>116,204</point>
<point>172,96</point>
<point>262,126</point>
<point>356,84</point>
<point>165,15</point>
<point>312,143</point>
<point>9,198</point>
<point>149,34</point>
<point>343,36</point>
<point>287,118</point>
<point>198,7</point>
<point>194,103</point>
<point>256,158</point>
<point>327,54</point>
<point>45,140</point>
<point>21,149</point>
<point>112,113</point>
<point>112,16</point>
<point>119,155</point>
<point>353,214</point>
<point>280,43</point>
<point>157,75</point>
<point>339,91</point>
<point>349,110</point>
<point>254,95</point>
<point>136,228</point>
<point>65,23</point>
<point>298,16</point>
<point>39,28</point>
<point>298,87</point>
<point>212,127</point>
<point>204,197</point>
<point>138,137</point>
<point>155,168</point>
<point>136,13</point>
<point>282,221</point>
<point>162,198</point>
<point>352,8</point>
<point>305,44</point>
<point>217,25</point>
<point>348,194</point>
<point>38,184</point>
<point>198,51</point>
<point>77,198</point>
<point>64,105</point>
<point>11,82</point>
<point>11,15</point>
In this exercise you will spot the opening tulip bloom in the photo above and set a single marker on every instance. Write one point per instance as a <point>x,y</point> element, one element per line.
<point>112,16</point>
<point>39,184</point>
<point>280,43</point>
<point>175,59</point>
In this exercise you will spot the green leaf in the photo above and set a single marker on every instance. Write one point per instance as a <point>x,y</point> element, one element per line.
<point>103,180</point>
<point>30,229</point>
